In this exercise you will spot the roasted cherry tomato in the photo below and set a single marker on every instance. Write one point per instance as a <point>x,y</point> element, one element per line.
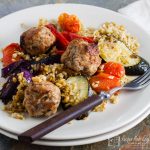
<point>114,69</point>
<point>8,52</point>
<point>69,23</point>
<point>104,82</point>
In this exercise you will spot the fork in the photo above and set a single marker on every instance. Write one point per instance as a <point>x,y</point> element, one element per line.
<point>64,117</point>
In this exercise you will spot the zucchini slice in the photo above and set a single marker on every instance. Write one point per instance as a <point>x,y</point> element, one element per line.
<point>138,69</point>
<point>80,91</point>
<point>80,87</point>
<point>117,52</point>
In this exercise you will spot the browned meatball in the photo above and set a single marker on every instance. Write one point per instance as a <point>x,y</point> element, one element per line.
<point>42,98</point>
<point>37,41</point>
<point>81,56</point>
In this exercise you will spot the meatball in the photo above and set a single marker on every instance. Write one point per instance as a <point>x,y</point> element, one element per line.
<point>82,57</point>
<point>37,41</point>
<point>42,98</point>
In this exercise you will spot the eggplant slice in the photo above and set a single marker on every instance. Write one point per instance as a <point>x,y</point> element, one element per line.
<point>138,69</point>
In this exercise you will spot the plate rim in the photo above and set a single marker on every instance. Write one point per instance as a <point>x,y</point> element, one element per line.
<point>88,6</point>
<point>89,140</point>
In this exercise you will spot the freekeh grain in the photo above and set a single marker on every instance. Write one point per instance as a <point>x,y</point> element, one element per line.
<point>58,73</point>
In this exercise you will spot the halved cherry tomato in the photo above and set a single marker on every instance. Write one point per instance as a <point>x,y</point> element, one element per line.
<point>104,82</point>
<point>8,51</point>
<point>70,36</point>
<point>69,23</point>
<point>103,75</point>
<point>114,69</point>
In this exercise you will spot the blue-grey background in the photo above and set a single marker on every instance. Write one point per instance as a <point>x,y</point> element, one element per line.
<point>9,6</point>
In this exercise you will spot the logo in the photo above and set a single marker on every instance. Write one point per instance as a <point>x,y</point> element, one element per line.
<point>114,142</point>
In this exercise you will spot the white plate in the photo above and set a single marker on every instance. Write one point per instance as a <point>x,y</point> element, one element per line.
<point>131,104</point>
<point>84,141</point>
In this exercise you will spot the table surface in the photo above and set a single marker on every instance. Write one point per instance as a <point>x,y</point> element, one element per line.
<point>141,131</point>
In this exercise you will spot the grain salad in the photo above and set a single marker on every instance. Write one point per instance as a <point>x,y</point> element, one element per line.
<point>60,63</point>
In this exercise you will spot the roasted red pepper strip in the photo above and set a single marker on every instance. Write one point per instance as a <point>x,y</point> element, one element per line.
<point>70,36</point>
<point>59,52</point>
<point>62,40</point>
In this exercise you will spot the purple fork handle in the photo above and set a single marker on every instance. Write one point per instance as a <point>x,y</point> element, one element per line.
<point>60,119</point>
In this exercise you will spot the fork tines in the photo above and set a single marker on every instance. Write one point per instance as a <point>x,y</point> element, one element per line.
<point>141,81</point>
